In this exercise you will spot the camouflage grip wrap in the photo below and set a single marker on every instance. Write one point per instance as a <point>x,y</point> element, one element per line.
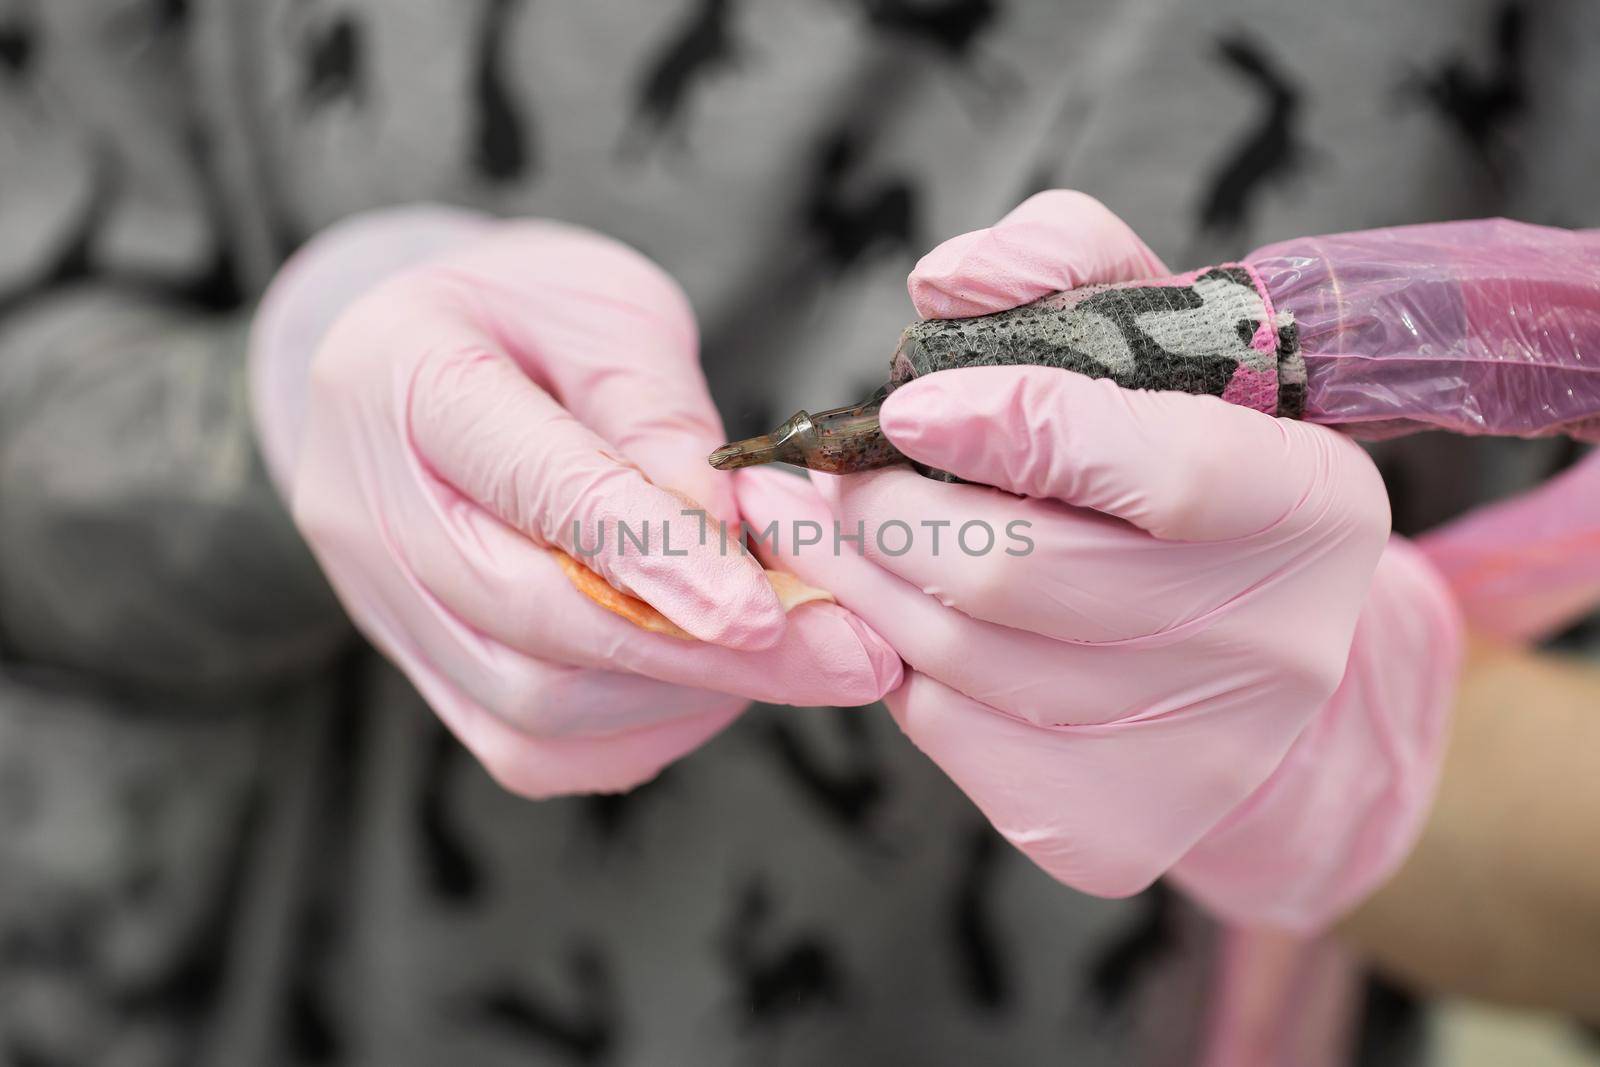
<point>1212,331</point>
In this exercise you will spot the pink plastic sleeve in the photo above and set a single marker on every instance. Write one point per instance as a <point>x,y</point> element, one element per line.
<point>1485,327</point>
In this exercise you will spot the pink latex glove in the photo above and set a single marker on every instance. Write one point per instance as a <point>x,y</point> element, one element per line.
<point>1521,569</point>
<point>1525,568</point>
<point>1214,662</point>
<point>513,385</point>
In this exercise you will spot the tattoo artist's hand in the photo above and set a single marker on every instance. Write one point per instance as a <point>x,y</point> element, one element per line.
<point>1214,660</point>
<point>531,384</point>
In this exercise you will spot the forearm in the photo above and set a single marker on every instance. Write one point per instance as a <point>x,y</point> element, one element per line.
<point>1500,900</point>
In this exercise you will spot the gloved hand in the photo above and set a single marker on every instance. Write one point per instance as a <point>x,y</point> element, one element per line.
<point>1211,660</point>
<point>1525,567</point>
<point>520,386</point>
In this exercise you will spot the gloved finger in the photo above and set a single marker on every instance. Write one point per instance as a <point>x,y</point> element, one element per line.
<point>511,592</point>
<point>1213,663</point>
<point>1054,240</point>
<point>537,767</point>
<point>485,429</point>
<point>1523,568</point>
<point>409,624</point>
<point>627,366</point>
<point>1037,565</point>
<point>1182,467</point>
<point>1077,800</point>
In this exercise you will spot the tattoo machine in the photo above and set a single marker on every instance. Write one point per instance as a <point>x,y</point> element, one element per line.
<point>1488,327</point>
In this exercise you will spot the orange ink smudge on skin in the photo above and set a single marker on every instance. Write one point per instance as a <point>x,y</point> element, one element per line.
<point>791,591</point>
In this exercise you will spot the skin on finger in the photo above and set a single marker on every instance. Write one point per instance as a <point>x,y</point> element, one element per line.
<point>1077,800</point>
<point>1054,240</point>
<point>486,430</point>
<point>1182,467</point>
<point>511,592</point>
<point>613,338</point>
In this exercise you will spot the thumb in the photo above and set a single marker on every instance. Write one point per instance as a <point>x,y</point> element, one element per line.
<point>1055,240</point>
<point>1181,467</point>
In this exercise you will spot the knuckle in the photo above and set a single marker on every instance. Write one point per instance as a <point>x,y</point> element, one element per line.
<point>1185,495</point>
<point>1298,664</point>
<point>1351,494</point>
<point>1068,201</point>
<point>313,516</point>
<point>1045,402</point>
<point>451,370</point>
<point>529,701</point>
<point>1369,499</point>
<point>984,586</point>
<point>304,511</point>
<point>1311,669</point>
<point>1045,714</point>
<point>614,266</point>
<point>329,363</point>
<point>515,768</point>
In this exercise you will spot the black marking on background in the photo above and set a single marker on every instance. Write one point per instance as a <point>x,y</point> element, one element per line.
<point>778,977</point>
<point>186,989</point>
<point>954,30</point>
<point>952,26</point>
<point>980,954</point>
<point>17,46</point>
<point>609,817</point>
<point>1269,150</point>
<point>586,1031</point>
<point>1127,960</point>
<point>1481,106</point>
<point>502,140</point>
<point>1392,1028</point>
<point>686,60</point>
<point>851,219</point>
<point>334,63</point>
<point>847,796</point>
<point>448,867</point>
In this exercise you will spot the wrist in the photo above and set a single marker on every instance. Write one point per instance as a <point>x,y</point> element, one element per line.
<point>1351,795</point>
